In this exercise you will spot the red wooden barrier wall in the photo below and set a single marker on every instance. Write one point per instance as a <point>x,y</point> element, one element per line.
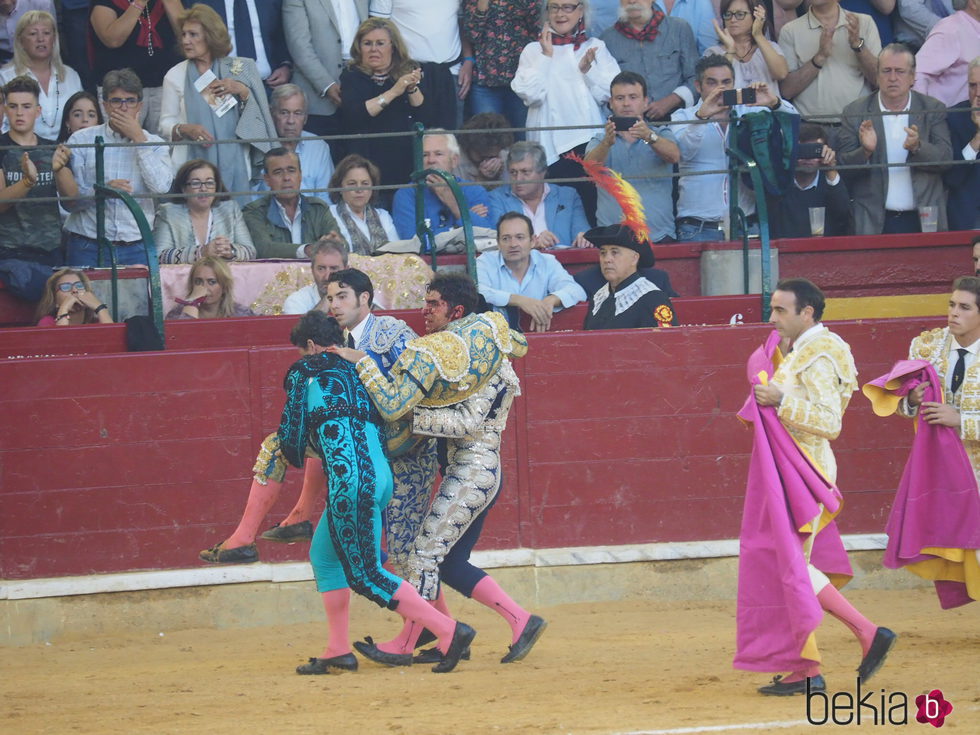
<point>137,461</point>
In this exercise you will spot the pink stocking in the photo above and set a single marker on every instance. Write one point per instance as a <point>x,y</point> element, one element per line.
<point>405,641</point>
<point>412,607</point>
<point>440,603</point>
<point>801,675</point>
<point>407,638</point>
<point>261,498</point>
<point>336,603</point>
<point>837,605</point>
<point>488,592</point>
<point>314,486</point>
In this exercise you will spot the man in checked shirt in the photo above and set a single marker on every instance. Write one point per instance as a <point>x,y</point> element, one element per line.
<point>137,170</point>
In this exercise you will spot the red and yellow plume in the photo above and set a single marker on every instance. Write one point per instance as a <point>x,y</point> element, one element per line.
<point>622,191</point>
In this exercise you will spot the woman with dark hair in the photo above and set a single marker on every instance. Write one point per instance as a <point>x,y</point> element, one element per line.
<point>205,223</point>
<point>483,155</point>
<point>232,105</point>
<point>210,293</point>
<point>745,42</point>
<point>361,224</point>
<point>382,95</point>
<point>81,111</point>
<point>68,301</point>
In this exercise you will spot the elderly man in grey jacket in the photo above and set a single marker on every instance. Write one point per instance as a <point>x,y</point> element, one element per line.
<point>891,126</point>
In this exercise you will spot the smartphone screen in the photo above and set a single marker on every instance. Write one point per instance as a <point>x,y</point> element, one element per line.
<point>624,123</point>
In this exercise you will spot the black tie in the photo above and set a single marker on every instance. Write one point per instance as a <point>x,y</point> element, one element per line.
<point>350,343</point>
<point>959,370</point>
<point>244,41</point>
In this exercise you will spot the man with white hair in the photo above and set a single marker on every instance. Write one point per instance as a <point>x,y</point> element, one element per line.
<point>556,212</point>
<point>941,64</point>
<point>440,150</point>
<point>289,114</point>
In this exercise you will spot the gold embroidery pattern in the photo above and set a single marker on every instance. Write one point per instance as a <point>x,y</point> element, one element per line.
<point>399,282</point>
<point>933,346</point>
<point>817,381</point>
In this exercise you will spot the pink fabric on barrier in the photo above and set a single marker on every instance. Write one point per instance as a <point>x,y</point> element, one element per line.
<point>937,503</point>
<point>777,608</point>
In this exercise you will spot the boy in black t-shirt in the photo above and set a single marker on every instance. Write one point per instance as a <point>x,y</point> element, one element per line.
<point>30,167</point>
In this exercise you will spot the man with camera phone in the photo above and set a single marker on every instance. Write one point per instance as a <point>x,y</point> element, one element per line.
<point>703,202</point>
<point>816,186</point>
<point>641,152</point>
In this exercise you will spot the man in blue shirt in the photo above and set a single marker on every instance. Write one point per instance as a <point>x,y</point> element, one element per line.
<point>556,212</point>
<point>702,204</point>
<point>440,150</point>
<point>518,277</point>
<point>644,155</point>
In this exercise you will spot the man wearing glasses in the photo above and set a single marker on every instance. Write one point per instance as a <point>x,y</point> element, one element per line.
<point>140,170</point>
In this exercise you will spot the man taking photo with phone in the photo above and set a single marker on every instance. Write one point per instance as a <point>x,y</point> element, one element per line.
<point>703,202</point>
<point>639,152</point>
<point>816,185</point>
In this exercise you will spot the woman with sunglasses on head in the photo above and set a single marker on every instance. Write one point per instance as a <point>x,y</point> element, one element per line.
<point>745,42</point>
<point>204,223</point>
<point>68,301</point>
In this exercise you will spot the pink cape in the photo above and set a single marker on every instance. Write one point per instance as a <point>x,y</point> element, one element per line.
<point>937,504</point>
<point>777,608</point>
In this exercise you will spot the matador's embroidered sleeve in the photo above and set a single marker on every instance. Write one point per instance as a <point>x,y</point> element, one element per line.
<point>923,347</point>
<point>821,412</point>
<point>292,426</point>
<point>519,342</point>
<point>407,384</point>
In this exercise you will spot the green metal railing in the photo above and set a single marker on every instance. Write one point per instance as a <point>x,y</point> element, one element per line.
<point>422,228</point>
<point>739,162</point>
<point>102,192</point>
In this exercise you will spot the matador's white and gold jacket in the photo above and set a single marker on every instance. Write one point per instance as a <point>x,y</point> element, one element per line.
<point>933,346</point>
<point>817,378</point>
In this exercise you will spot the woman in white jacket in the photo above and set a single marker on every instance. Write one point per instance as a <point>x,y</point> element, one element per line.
<point>233,105</point>
<point>564,80</point>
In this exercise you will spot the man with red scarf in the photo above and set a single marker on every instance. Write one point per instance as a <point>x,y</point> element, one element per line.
<point>659,48</point>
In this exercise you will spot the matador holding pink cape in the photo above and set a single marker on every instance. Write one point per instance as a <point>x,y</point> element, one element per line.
<point>791,558</point>
<point>934,525</point>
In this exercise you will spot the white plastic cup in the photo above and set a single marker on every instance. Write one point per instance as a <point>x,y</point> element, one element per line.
<point>929,218</point>
<point>816,221</point>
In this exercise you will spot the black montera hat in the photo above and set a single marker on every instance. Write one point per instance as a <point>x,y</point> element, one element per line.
<point>623,236</point>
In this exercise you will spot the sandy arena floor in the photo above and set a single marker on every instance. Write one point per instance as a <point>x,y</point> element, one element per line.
<point>599,668</point>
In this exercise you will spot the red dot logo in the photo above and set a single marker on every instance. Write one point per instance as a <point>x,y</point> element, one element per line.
<point>933,708</point>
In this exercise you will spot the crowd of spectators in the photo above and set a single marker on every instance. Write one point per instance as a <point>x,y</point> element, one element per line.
<point>213,112</point>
